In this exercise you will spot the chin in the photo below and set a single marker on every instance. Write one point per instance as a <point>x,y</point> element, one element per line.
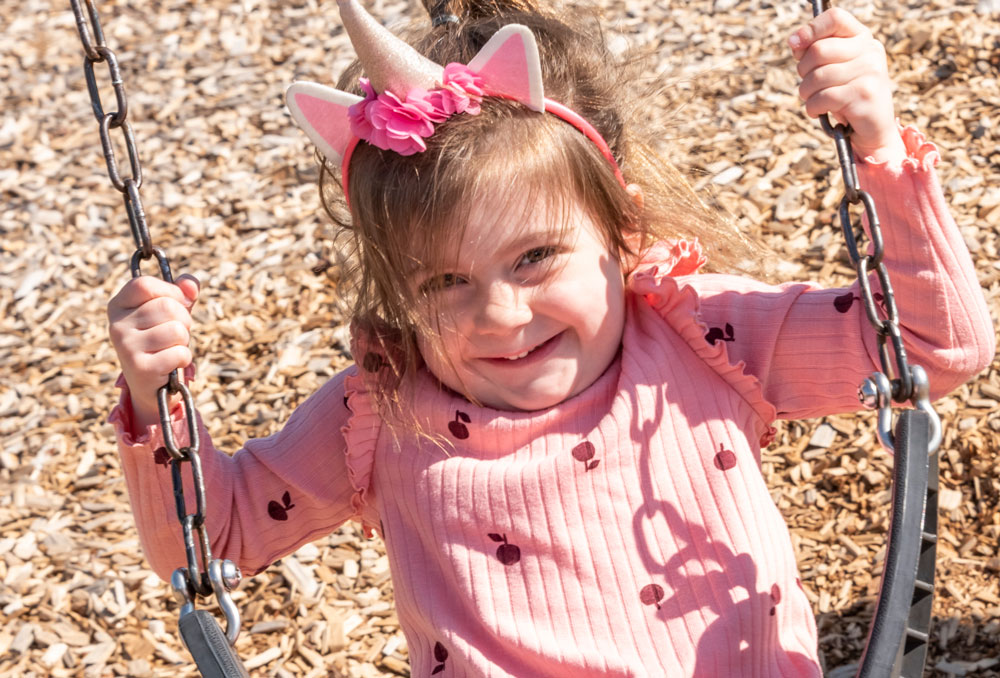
<point>542,401</point>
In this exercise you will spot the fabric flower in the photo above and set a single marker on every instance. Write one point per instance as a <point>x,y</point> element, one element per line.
<point>674,257</point>
<point>461,91</point>
<point>392,124</point>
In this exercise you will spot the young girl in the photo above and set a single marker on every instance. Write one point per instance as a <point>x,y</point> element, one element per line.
<point>554,422</point>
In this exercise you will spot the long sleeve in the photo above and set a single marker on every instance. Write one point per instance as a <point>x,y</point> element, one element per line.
<point>811,347</point>
<point>265,501</point>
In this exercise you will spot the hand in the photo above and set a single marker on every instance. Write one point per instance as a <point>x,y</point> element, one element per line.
<point>844,73</point>
<point>149,324</point>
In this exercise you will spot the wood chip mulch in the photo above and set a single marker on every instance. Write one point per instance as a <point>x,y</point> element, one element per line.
<point>230,194</point>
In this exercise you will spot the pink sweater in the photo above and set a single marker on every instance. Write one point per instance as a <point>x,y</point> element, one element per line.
<point>627,531</point>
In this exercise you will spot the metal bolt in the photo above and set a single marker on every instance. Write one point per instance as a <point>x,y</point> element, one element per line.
<point>868,394</point>
<point>231,575</point>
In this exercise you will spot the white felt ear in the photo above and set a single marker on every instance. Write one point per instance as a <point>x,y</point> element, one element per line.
<point>322,113</point>
<point>509,65</point>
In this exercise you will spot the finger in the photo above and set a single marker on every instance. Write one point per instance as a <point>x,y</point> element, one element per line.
<point>832,51</point>
<point>138,291</point>
<point>161,337</point>
<point>833,23</point>
<point>826,77</point>
<point>190,287</point>
<point>159,365</point>
<point>833,100</point>
<point>158,311</point>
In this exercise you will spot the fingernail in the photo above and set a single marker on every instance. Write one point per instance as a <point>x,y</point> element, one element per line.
<point>794,42</point>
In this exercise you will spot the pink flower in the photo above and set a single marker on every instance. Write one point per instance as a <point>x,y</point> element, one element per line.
<point>674,257</point>
<point>392,124</point>
<point>461,91</point>
<point>386,121</point>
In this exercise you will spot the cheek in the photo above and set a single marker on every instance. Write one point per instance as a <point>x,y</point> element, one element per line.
<point>439,347</point>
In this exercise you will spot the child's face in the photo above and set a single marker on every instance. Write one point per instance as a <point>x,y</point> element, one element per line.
<point>529,315</point>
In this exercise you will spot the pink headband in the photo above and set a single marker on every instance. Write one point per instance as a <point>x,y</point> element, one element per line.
<point>407,94</point>
<point>553,107</point>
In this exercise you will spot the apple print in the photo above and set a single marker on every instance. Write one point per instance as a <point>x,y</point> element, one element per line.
<point>457,428</point>
<point>716,333</point>
<point>725,459</point>
<point>508,554</point>
<point>161,456</point>
<point>277,511</point>
<point>775,597</point>
<point>372,362</point>
<point>441,655</point>
<point>844,302</point>
<point>651,594</point>
<point>585,452</point>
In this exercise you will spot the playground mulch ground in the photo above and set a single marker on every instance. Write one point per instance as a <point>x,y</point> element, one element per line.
<point>229,192</point>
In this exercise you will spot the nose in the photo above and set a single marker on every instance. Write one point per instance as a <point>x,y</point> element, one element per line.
<point>502,306</point>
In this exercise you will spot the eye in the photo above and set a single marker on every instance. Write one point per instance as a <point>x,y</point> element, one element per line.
<point>441,282</point>
<point>537,255</point>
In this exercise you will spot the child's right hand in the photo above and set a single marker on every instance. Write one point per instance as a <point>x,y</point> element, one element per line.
<point>149,323</point>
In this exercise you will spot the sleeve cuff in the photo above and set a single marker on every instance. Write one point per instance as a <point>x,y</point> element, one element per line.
<point>921,155</point>
<point>122,417</point>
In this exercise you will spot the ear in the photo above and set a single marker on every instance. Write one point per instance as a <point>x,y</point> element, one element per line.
<point>322,114</point>
<point>509,66</point>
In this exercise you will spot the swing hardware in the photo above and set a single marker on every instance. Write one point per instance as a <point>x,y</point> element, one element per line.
<point>212,650</point>
<point>875,393</point>
<point>900,628</point>
<point>225,577</point>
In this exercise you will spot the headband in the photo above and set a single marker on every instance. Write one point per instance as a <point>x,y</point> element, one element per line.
<point>407,95</point>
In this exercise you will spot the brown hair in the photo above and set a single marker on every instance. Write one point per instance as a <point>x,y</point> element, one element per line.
<point>397,201</point>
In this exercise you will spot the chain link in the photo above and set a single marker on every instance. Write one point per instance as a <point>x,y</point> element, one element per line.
<point>96,51</point>
<point>884,320</point>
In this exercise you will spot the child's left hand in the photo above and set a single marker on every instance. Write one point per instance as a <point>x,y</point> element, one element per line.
<point>844,73</point>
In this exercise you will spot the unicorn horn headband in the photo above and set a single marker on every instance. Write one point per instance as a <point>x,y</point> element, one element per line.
<point>406,94</point>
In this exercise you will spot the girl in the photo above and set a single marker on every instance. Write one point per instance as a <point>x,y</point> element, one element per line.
<point>553,422</point>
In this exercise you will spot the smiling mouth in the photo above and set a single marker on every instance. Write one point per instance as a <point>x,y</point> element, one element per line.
<point>522,355</point>
<point>530,352</point>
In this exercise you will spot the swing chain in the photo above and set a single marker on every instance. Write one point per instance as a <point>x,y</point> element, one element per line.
<point>886,328</point>
<point>195,579</point>
<point>879,391</point>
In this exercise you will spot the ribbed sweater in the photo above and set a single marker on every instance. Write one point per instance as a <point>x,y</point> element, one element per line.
<point>627,531</point>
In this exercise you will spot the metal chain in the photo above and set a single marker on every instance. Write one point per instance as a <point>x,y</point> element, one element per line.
<point>883,387</point>
<point>887,327</point>
<point>96,51</point>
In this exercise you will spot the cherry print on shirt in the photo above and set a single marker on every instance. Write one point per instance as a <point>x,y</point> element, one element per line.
<point>585,452</point>
<point>725,459</point>
<point>440,655</point>
<point>278,511</point>
<point>508,554</point>
<point>161,456</point>
<point>716,333</point>
<point>844,302</point>
<point>775,597</point>
<point>457,428</point>
<point>651,594</point>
